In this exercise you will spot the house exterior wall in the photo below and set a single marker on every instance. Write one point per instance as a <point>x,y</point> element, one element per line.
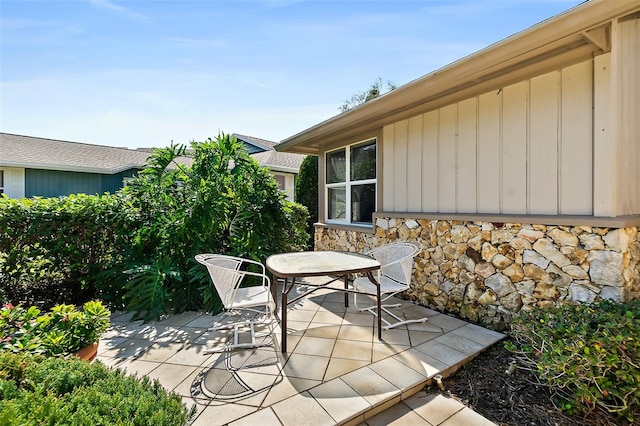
<point>488,272</point>
<point>525,196</point>
<point>530,147</point>
<point>54,183</point>
<point>522,149</point>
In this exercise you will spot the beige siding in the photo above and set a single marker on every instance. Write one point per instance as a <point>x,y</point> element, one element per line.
<point>628,115</point>
<point>388,183</point>
<point>603,165</point>
<point>466,156</point>
<point>400,166</point>
<point>543,145</point>
<point>429,167</point>
<point>414,162</point>
<point>447,159</point>
<point>576,157</point>
<point>488,149</point>
<point>514,165</point>
<point>522,149</point>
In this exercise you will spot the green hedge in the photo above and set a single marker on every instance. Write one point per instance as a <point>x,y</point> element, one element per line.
<point>588,354</point>
<point>39,391</point>
<point>52,249</point>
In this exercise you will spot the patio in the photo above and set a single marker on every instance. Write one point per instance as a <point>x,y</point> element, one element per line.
<point>336,371</point>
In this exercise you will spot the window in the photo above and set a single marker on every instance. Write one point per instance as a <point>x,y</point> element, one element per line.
<point>280,180</point>
<point>1,182</point>
<point>351,183</point>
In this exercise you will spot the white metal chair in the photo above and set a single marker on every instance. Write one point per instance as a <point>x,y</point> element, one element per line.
<point>228,273</point>
<point>396,260</point>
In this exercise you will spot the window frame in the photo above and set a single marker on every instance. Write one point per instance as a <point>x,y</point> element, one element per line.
<point>348,184</point>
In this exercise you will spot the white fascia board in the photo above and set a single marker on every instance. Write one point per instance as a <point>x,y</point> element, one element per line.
<point>68,168</point>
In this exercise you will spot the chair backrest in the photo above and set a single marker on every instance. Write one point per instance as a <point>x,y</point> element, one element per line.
<point>225,274</point>
<point>396,260</point>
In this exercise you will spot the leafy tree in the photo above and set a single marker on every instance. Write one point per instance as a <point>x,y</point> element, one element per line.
<point>306,191</point>
<point>371,93</point>
<point>223,203</point>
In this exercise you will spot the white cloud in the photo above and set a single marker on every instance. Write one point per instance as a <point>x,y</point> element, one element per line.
<point>123,11</point>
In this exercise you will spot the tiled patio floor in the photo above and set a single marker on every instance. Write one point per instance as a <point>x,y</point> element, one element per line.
<point>336,370</point>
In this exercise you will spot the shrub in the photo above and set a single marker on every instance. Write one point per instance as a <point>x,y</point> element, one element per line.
<point>61,331</point>
<point>586,353</point>
<point>53,249</point>
<point>37,390</point>
<point>306,191</point>
<point>223,203</point>
<point>136,249</point>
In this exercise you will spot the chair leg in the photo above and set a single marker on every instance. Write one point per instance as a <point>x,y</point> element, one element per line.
<point>388,325</point>
<point>269,319</point>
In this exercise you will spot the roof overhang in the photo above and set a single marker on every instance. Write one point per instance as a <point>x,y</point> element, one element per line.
<point>571,37</point>
<point>71,168</point>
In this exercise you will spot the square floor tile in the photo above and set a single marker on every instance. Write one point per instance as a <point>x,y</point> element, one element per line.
<point>306,366</point>
<point>401,375</point>
<point>315,346</point>
<point>340,366</point>
<point>442,353</point>
<point>286,387</point>
<point>302,409</point>
<point>435,408</point>
<point>350,349</point>
<point>339,400</point>
<point>370,385</point>
<point>356,332</point>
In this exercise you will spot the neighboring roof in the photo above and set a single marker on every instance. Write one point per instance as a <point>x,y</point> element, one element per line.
<point>566,39</point>
<point>50,154</point>
<point>275,161</point>
<point>263,144</point>
<point>279,161</point>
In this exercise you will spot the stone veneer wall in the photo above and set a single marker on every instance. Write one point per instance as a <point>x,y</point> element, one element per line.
<point>488,272</point>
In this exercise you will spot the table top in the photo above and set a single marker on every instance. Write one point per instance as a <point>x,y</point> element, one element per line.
<point>316,263</point>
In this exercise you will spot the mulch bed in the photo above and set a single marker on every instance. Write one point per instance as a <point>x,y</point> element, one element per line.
<point>513,399</point>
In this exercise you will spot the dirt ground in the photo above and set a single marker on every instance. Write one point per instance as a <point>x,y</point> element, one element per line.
<point>515,399</point>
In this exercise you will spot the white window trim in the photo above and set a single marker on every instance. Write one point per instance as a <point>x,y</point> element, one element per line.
<point>347,185</point>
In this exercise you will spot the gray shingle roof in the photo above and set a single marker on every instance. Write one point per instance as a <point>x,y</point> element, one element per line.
<point>50,154</point>
<point>274,160</point>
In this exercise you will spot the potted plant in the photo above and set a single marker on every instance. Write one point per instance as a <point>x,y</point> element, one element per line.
<point>62,331</point>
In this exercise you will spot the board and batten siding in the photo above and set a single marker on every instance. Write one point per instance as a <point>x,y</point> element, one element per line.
<point>523,149</point>
<point>563,143</point>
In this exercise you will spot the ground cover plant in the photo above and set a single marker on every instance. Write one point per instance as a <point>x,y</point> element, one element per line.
<point>588,353</point>
<point>576,365</point>
<point>61,331</point>
<point>39,390</point>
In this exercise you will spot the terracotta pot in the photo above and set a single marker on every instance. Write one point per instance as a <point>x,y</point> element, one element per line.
<point>88,353</point>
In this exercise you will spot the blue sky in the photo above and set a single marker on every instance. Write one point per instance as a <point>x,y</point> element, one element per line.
<point>141,73</point>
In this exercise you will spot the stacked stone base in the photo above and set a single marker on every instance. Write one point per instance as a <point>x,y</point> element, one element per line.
<point>488,272</point>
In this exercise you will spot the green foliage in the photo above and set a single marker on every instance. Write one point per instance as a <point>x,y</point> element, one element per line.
<point>306,192</point>
<point>586,353</point>
<point>61,331</point>
<point>371,93</point>
<point>53,249</point>
<point>223,203</point>
<point>36,390</point>
<point>136,249</point>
